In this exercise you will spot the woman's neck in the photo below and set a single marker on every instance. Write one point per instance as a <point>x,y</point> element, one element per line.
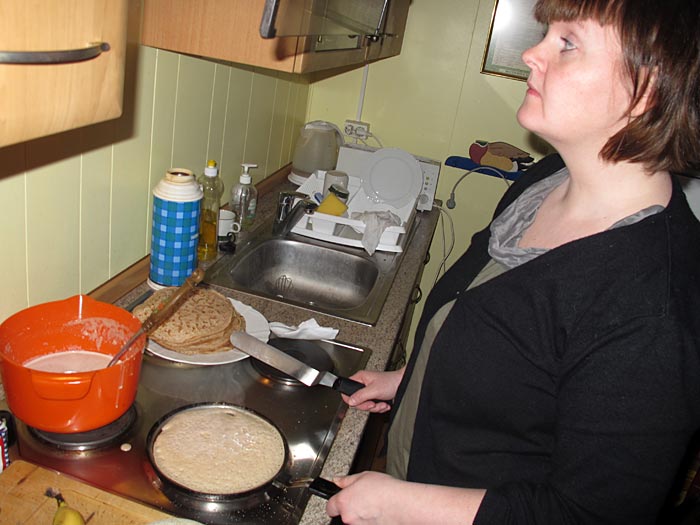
<point>596,195</point>
<point>598,187</point>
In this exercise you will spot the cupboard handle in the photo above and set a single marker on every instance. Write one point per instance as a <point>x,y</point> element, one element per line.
<point>267,24</point>
<point>53,57</point>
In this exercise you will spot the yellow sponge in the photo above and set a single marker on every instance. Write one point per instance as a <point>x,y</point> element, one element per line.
<point>332,205</point>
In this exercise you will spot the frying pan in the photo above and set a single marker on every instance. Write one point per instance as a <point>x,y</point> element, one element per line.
<point>185,496</point>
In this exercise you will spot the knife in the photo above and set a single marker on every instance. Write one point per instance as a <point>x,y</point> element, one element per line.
<point>291,366</point>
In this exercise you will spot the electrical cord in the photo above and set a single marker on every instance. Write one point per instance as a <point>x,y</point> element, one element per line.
<point>372,135</point>
<point>363,141</point>
<point>445,217</point>
<point>451,203</point>
<point>445,252</point>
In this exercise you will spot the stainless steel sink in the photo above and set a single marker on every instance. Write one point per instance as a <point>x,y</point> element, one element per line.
<point>333,279</point>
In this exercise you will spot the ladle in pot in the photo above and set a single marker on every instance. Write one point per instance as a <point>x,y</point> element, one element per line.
<point>161,314</point>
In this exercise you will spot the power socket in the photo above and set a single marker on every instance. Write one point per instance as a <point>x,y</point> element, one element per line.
<point>356,129</point>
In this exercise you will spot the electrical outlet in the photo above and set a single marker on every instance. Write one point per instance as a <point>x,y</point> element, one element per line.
<point>356,129</point>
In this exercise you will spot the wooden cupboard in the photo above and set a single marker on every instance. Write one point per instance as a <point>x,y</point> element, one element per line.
<point>46,98</point>
<point>229,30</point>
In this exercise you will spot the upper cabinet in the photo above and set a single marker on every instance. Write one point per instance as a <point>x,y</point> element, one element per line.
<point>61,65</point>
<point>302,36</point>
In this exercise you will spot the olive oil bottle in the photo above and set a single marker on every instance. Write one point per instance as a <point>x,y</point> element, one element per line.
<point>212,188</point>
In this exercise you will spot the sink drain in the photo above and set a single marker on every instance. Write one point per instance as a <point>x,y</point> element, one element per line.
<point>283,285</point>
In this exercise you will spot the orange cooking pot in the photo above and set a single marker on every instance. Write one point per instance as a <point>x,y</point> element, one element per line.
<point>73,401</point>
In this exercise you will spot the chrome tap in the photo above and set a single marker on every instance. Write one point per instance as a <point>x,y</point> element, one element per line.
<point>288,213</point>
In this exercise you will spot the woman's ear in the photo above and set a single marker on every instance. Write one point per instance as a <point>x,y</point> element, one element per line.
<point>645,99</point>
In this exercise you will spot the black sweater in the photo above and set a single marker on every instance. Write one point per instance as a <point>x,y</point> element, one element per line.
<point>568,387</point>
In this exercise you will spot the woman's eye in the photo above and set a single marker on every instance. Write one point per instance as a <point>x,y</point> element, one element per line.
<point>567,45</point>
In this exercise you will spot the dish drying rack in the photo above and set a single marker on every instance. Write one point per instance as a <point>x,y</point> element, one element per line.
<point>343,230</point>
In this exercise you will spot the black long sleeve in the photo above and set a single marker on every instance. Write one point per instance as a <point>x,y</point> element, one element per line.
<point>567,387</point>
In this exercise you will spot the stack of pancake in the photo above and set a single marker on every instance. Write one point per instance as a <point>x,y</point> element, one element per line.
<point>202,324</point>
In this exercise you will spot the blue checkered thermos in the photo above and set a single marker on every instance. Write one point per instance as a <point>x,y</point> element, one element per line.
<point>175,228</point>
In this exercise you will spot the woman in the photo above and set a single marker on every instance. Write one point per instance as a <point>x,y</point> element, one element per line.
<point>555,373</point>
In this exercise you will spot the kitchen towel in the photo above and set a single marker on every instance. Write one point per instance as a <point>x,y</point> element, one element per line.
<point>309,329</point>
<point>375,224</point>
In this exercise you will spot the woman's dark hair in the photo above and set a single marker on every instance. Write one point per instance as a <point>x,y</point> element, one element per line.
<point>661,51</point>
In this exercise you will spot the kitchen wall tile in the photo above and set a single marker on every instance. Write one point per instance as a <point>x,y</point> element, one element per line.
<point>164,102</point>
<point>95,205</point>
<point>279,113</point>
<point>53,218</point>
<point>195,85</point>
<point>217,126</point>
<point>132,177</point>
<point>291,119</point>
<point>237,113</point>
<point>13,227</point>
<point>298,116</point>
<point>262,100</point>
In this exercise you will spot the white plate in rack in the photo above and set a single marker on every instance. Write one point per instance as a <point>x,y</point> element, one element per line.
<point>255,324</point>
<point>392,176</point>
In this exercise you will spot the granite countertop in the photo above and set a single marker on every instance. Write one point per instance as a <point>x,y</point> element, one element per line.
<point>380,339</point>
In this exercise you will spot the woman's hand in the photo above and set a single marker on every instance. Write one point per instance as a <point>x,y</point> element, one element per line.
<point>379,387</point>
<point>374,498</point>
<point>368,497</point>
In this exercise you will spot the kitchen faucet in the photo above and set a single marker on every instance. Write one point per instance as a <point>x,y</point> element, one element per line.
<point>288,213</point>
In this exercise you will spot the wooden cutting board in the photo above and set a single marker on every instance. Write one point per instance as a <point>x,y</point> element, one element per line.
<point>22,500</point>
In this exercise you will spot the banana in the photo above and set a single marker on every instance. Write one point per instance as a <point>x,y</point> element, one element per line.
<point>65,515</point>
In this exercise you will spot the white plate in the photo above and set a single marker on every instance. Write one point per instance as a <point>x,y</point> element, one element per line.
<point>392,176</point>
<point>255,324</point>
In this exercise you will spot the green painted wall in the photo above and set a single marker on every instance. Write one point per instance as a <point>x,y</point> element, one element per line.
<point>76,207</point>
<point>433,101</point>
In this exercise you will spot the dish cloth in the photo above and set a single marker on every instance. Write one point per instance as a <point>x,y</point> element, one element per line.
<point>375,224</point>
<point>309,329</point>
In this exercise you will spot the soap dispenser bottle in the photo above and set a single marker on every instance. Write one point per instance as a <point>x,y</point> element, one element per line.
<point>244,198</point>
<point>212,188</point>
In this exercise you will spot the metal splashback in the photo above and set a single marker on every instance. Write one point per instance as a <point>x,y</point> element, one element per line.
<point>308,417</point>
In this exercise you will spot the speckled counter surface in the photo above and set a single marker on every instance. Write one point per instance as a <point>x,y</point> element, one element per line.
<point>380,339</point>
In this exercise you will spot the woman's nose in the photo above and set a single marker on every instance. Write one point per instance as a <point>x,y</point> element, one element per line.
<point>533,57</point>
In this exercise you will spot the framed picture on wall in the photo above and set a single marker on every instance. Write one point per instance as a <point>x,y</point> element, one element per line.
<point>513,30</point>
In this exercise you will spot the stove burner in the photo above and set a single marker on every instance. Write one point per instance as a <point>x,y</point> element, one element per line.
<point>305,351</point>
<point>91,439</point>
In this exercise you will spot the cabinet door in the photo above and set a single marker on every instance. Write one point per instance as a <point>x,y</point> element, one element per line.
<point>230,30</point>
<point>222,29</point>
<point>39,100</point>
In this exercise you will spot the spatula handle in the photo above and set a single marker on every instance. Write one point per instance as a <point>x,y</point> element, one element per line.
<point>350,386</point>
<point>347,386</point>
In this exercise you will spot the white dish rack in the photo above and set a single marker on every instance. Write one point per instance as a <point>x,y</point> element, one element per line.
<point>343,230</point>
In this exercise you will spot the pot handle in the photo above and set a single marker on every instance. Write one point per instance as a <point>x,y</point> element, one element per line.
<point>62,387</point>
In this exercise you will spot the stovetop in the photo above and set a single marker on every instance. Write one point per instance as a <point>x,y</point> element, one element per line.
<point>308,418</point>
